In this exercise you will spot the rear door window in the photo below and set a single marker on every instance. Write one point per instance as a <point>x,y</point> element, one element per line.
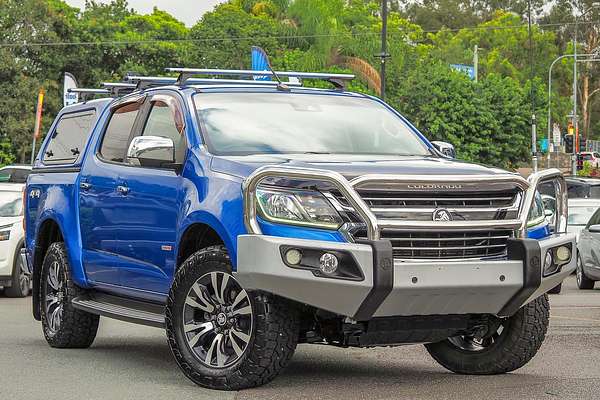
<point>69,137</point>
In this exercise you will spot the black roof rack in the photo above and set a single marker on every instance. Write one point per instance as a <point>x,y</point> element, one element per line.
<point>108,89</point>
<point>186,77</point>
<point>144,82</point>
<point>119,88</point>
<point>86,93</point>
<point>186,74</point>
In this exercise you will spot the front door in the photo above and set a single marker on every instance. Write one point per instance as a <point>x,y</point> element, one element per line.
<point>151,205</point>
<point>99,198</point>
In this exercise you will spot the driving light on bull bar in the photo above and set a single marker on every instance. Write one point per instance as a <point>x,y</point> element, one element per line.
<point>328,263</point>
<point>563,254</point>
<point>293,256</point>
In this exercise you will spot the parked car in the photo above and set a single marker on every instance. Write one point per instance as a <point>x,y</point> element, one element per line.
<point>580,212</point>
<point>14,276</point>
<point>590,156</point>
<point>583,188</point>
<point>588,261</point>
<point>247,217</point>
<point>16,173</point>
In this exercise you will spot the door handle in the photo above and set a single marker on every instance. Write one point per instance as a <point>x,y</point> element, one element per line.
<point>85,185</point>
<point>123,189</point>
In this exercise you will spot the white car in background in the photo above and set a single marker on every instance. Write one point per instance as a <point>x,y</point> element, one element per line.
<point>14,276</point>
<point>580,212</point>
<point>16,173</point>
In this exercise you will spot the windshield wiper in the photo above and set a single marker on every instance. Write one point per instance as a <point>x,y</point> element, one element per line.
<point>316,152</point>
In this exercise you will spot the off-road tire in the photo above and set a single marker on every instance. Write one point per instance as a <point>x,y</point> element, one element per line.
<point>556,289</point>
<point>272,341</point>
<point>19,287</point>
<point>583,282</point>
<point>516,346</point>
<point>77,328</point>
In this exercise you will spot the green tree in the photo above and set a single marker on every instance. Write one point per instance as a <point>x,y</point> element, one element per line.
<point>223,37</point>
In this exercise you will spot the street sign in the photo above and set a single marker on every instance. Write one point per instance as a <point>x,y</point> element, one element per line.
<point>556,135</point>
<point>467,69</point>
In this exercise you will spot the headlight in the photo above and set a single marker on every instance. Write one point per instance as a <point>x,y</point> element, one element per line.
<point>297,207</point>
<point>4,235</point>
<point>536,213</point>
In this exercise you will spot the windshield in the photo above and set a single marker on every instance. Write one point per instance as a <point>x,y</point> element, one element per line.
<point>11,204</point>
<point>580,215</point>
<point>259,123</point>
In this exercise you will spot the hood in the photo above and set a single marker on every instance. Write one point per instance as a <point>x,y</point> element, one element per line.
<point>352,166</point>
<point>10,220</point>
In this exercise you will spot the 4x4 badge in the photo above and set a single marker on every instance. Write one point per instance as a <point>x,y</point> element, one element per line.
<point>441,214</point>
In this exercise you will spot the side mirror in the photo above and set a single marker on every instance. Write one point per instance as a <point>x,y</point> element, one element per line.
<point>151,151</point>
<point>594,228</point>
<point>445,148</point>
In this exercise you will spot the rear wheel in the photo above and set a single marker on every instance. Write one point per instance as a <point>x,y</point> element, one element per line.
<point>221,336</point>
<point>64,326</point>
<point>21,281</point>
<point>583,282</point>
<point>510,344</point>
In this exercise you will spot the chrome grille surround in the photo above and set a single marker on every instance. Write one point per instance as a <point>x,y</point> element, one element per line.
<point>378,224</point>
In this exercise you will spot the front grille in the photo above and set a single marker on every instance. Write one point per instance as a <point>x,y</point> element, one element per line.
<point>388,199</point>
<point>396,203</point>
<point>447,245</point>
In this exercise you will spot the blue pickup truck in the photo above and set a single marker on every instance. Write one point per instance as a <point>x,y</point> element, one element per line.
<point>245,217</point>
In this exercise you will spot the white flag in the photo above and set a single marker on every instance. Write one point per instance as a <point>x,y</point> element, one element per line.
<point>69,83</point>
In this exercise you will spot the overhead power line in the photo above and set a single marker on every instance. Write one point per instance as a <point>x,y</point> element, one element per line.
<point>237,38</point>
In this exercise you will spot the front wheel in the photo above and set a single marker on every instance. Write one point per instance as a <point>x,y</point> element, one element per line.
<point>513,342</point>
<point>222,336</point>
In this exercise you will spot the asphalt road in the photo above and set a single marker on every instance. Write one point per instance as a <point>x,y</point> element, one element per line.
<point>134,362</point>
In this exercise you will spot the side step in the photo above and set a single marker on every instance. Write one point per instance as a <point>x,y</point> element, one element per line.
<point>124,309</point>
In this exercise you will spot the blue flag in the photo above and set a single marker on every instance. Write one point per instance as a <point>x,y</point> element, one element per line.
<point>260,62</point>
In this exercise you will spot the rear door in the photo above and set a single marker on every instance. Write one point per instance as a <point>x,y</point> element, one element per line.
<point>99,198</point>
<point>151,203</point>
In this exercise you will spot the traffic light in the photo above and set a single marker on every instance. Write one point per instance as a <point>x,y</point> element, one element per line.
<point>582,144</point>
<point>569,143</point>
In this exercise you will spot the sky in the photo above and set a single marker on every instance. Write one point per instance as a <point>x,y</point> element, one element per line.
<point>188,11</point>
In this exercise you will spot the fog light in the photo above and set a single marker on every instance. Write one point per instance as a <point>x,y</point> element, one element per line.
<point>328,263</point>
<point>563,254</point>
<point>293,256</point>
<point>548,261</point>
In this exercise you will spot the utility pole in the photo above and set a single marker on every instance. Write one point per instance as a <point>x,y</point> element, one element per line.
<point>575,118</point>
<point>383,55</point>
<point>574,113</point>
<point>534,157</point>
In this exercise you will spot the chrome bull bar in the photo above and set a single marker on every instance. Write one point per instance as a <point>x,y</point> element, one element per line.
<point>375,225</point>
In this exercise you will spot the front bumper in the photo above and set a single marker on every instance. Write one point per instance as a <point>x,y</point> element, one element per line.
<point>394,288</point>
